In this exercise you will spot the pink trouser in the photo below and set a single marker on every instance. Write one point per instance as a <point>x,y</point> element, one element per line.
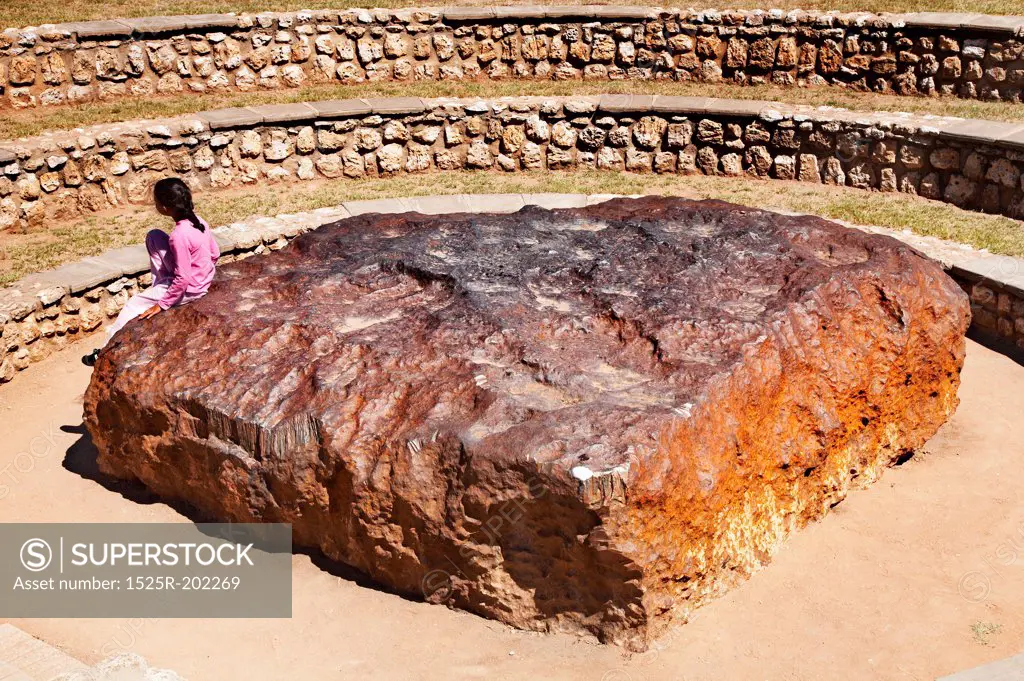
<point>159,246</point>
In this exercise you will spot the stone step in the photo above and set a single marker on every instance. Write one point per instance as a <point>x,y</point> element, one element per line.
<point>26,658</point>
<point>9,673</point>
<point>1010,669</point>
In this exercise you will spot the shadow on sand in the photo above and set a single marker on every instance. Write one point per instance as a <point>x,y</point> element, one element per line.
<point>997,344</point>
<point>81,459</point>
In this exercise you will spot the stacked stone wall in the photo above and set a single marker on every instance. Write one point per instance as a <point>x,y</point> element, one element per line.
<point>972,164</point>
<point>966,55</point>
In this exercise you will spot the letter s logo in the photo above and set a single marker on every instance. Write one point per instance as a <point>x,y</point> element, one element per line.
<point>36,555</point>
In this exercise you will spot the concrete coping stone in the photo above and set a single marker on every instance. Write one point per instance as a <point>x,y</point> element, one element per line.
<point>284,113</point>
<point>130,260</point>
<point>7,156</point>
<point>32,284</point>
<point>221,119</point>
<point>552,201</point>
<point>157,25</point>
<point>594,199</point>
<point>341,108</point>
<point>625,103</point>
<point>1001,271</point>
<point>374,206</point>
<point>435,205</point>
<point>465,203</point>
<point>1014,139</point>
<point>211,21</point>
<point>935,19</point>
<point>517,12</point>
<point>333,213</point>
<point>84,274</point>
<point>451,203</point>
<point>467,13</point>
<point>237,238</point>
<point>620,11</point>
<point>1006,669</point>
<point>97,29</point>
<point>123,28</point>
<point>496,203</point>
<point>986,132</point>
<point>735,107</point>
<point>669,104</point>
<point>964,20</point>
<point>226,238</point>
<point>396,105</point>
<point>994,23</point>
<point>520,12</point>
<point>577,11</point>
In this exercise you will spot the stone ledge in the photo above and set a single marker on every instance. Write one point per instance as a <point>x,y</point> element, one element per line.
<point>736,107</point>
<point>97,29</point>
<point>1008,669</point>
<point>342,108</point>
<point>85,274</point>
<point>396,105</point>
<point>129,260</point>
<point>961,20</point>
<point>1001,271</point>
<point>621,11</point>
<point>983,132</point>
<point>678,104</point>
<point>200,22</point>
<point>155,25</point>
<point>625,103</point>
<point>146,26</point>
<point>284,113</point>
<point>467,13</point>
<point>221,119</point>
<point>515,12</point>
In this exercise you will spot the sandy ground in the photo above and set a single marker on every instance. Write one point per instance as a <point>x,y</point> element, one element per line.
<point>899,582</point>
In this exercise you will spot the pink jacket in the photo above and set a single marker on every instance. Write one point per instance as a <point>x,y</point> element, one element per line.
<point>194,256</point>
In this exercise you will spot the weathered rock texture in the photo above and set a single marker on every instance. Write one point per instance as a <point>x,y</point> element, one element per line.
<point>967,55</point>
<point>587,420</point>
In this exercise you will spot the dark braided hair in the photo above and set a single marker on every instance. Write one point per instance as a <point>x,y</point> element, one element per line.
<point>176,197</point>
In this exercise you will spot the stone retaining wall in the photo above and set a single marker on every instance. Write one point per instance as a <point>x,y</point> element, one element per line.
<point>44,312</point>
<point>996,287</point>
<point>972,164</point>
<point>967,55</point>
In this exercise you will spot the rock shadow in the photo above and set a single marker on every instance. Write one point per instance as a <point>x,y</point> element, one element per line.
<point>996,344</point>
<point>81,459</point>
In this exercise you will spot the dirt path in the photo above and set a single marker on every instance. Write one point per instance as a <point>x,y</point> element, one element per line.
<point>899,582</point>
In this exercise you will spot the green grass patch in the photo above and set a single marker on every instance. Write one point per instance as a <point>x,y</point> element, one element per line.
<point>985,631</point>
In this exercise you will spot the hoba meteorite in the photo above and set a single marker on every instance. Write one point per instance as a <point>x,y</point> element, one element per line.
<point>587,420</point>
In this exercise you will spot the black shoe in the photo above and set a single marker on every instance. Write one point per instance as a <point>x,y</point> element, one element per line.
<point>90,359</point>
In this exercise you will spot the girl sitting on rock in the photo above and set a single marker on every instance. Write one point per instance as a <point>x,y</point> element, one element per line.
<point>182,264</point>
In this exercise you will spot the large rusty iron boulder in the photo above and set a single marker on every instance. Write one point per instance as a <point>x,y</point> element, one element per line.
<point>588,420</point>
